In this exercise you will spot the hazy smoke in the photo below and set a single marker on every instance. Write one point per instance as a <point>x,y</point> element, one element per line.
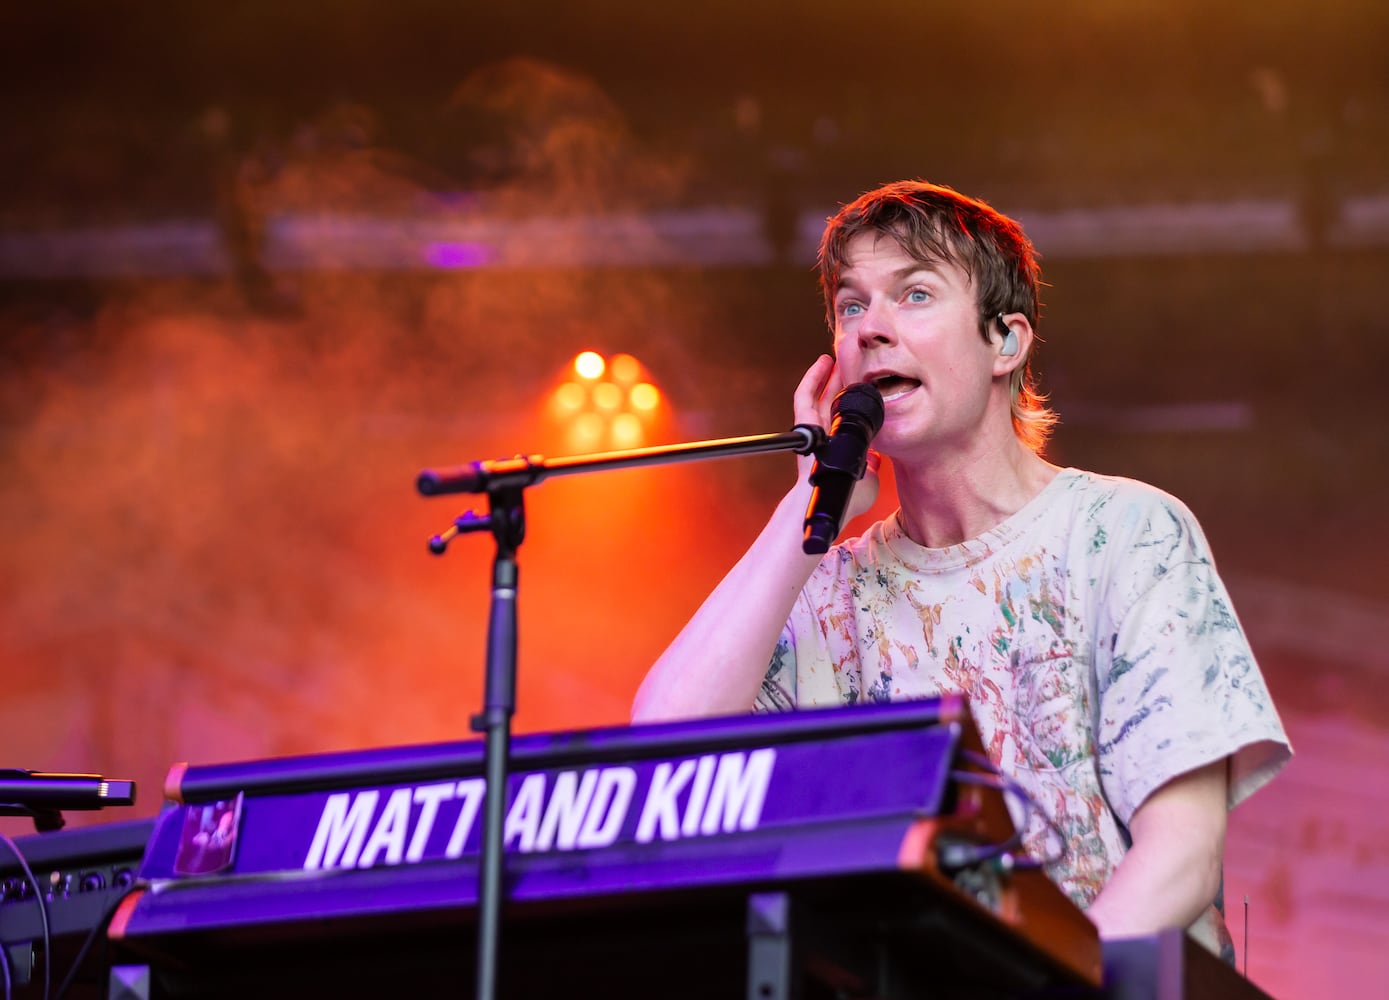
<point>215,549</point>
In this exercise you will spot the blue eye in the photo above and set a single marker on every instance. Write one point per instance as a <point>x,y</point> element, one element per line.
<point>918,295</point>
<point>850,309</point>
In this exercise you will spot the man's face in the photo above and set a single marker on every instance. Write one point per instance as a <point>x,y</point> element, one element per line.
<point>912,329</point>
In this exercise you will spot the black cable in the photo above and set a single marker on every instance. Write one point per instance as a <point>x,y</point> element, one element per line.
<point>98,929</point>
<point>5,967</point>
<point>1006,784</point>
<point>977,855</point>
<point>1029,805</point>
<point>43,913</point>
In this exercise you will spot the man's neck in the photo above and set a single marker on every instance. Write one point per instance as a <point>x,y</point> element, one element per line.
<point>960,497</point>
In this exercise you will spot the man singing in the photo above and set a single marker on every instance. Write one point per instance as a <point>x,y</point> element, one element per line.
<point>1080,614</point>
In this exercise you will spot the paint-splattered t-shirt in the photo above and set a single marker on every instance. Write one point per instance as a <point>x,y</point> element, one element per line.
<point>1095,642</point>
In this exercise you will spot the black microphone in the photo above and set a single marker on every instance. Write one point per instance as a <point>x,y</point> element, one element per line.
<point>42,790</point>
<point>855,416</point>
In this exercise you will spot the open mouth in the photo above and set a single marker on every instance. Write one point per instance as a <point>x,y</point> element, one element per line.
<point>895,386</point>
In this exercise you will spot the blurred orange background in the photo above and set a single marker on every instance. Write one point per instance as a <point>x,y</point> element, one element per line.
<point>259,266</point>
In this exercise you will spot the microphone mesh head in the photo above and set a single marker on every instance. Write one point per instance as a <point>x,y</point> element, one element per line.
<point>863,400</point>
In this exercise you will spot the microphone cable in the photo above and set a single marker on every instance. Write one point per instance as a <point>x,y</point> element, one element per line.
<point>43,917</point>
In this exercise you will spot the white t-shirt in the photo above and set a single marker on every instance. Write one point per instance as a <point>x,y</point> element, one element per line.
<point>1097,647</point>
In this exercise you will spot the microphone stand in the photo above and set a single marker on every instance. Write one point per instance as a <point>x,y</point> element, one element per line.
<point>43,795</point>
<point>504,481</point>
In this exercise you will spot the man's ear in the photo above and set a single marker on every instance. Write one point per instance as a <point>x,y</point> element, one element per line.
<point>1013,336</point>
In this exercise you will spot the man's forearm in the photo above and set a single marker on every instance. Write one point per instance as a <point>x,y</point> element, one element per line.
<point>1172,872</point>
<point>716,664</point>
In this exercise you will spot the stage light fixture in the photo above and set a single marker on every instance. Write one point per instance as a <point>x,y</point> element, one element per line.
<point>606,404</point>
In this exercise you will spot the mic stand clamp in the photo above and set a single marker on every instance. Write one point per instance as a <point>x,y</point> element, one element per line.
<point>45,820</point>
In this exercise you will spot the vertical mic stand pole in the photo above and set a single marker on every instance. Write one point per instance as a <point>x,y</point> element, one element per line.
<point>504,482</point>
<point>506,519</point>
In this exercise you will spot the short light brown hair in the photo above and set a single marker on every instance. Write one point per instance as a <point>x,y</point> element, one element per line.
<point>936,224</point>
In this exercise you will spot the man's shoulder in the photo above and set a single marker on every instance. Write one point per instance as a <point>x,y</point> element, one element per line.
<point>1100,495</point>
<point>1123,521</point>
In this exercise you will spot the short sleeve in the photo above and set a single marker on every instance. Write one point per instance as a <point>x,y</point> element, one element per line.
<point>802,671</point>
<point>1177,682</point>
<point>778,691</point>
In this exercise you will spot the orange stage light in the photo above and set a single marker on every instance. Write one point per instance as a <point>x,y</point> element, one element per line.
<point>625,369</point>
<point>644,397</point>
<point>627,431</point>
<point>589,365</point>
<point>607,397</point>
<point>570,397</point>
<point>586,432</point>
<point>606,405</point>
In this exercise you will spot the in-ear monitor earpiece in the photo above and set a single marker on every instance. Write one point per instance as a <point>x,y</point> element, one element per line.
<point>1010,339</point>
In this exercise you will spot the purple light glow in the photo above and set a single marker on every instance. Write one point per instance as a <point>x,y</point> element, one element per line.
<point>452,254</point>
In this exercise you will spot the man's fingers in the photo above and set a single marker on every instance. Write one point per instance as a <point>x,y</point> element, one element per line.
<point>866,489</point>
<point>834,385</point>
<point>807,400</point>
<point>831,385</point>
